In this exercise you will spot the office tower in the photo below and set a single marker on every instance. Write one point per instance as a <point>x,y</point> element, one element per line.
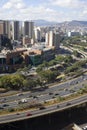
<point>29,29</point>
<point>4,32</point>
<point>15,30</point>
<point>49,38</point>
<point>1,28</point>
<point>7,29</point>
<point>37,33</point>
<point>53,39</point>
<point>57,39</point>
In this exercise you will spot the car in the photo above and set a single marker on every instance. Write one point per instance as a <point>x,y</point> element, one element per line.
<point>30,96</point>
<point>29,114</point>
<point>72,91</point>
<point>35,97</point>
<point>50,93</point>
<point>84,128</point>
<point>41,108</point>
<point>56,94</point>
<point>58,106</point>
<point>1,107</point>
<point>3,100</point>
<point>5,105</point>
<point>65,89</point>
<point>53,97</point>
<point>68,104</point>
<point>19,94</point>
<point>17,113</point>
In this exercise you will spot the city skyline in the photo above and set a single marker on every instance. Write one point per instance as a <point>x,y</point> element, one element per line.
<point>50,10</point>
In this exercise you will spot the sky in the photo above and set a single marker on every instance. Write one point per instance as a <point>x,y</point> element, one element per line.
<point>50,10</point>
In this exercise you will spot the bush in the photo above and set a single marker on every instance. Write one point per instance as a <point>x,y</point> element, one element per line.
<point>11,109</point>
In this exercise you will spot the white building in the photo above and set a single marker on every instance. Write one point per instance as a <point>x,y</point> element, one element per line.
<point>53,39</point>
<point>37,32</point>
<point>73,33</point>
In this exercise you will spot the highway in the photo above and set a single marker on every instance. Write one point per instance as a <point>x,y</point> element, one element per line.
<point>71,49</point>
<point>38,112</point>
<point>60,88</point>
<point>51,93</point>
<point>56,91</point>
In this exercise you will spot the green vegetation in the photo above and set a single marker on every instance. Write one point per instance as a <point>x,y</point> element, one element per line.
<point>48,75</point>
<point>57,61</point>
<point>14,81</point>
<point>75,67</point>
<point>75,40</point>
<point>76,53</point>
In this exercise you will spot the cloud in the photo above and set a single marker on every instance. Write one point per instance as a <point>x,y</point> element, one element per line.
<point>14,4</point>
<point>17,9</point>
<point>51,10</point>
<point>8,5</point>
<point>69,3</point>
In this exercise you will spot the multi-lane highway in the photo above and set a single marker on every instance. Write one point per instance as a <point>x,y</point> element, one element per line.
<point>38,112</point>
<point>51,93</point>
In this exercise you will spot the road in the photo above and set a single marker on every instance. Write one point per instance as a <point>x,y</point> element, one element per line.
<point>56,91</point>
<point>38,112</point>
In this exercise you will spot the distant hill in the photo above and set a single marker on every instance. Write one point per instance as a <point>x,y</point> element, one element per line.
<point>69,23</point>
<point>77,23</point>
<point>43,23</point>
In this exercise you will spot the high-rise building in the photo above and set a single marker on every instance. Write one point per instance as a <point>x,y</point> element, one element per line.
<point>1,28</point>
<point>29,29</point>
<point>5,28</point>
<point>47,39</point>
<point>4,31</point>
<point>15,30</point>
<point>53,39</point>
<point>37,33</point>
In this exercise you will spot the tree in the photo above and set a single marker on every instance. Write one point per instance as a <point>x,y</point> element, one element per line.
<point>32,83</point>
<point>60,58</point>
<point>76,53</point>
<point>14,81</point>
<point>68,59</point>
<point>48,75</point>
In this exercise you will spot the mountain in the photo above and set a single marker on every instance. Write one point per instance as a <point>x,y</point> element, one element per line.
<point>77,23</point>
<point>41,22</point>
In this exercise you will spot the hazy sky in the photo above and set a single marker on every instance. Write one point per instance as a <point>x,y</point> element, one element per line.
<point>51,10</point>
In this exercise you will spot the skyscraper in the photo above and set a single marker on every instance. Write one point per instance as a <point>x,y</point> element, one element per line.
<point>37,33</point>
<point>29,29</point>
<point>4,31</point>
<point>15,30</point>
<point>7,29</point>
<point>53,39</point>
<point>1,27</point>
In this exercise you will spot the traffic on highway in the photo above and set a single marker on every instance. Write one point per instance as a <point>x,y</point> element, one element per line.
<point>48,94</point>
